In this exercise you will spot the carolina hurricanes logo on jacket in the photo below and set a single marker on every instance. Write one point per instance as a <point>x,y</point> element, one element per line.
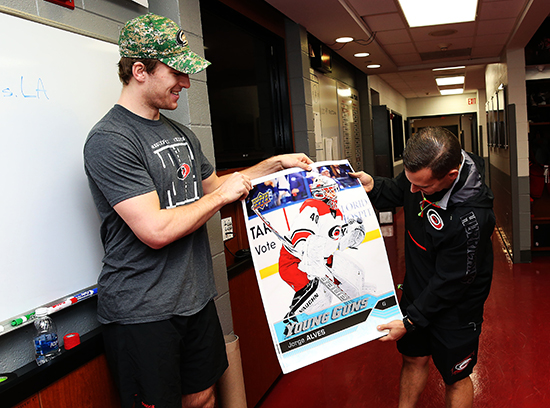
<point>183,171</point>
<point>435,219</point>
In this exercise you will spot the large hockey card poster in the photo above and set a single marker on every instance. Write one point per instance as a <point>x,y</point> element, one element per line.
<point>320,261</point>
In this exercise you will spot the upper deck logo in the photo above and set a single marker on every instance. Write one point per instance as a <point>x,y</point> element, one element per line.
<point>262,200</point>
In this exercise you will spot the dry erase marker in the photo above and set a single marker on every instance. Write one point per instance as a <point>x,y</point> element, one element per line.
<point>85,295</point>
<point>1,328</point>
<point>22,319</point>
<point>62,305</point>
<point>7,377</point>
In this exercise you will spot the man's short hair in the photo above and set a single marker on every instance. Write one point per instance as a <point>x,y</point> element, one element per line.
<point>125,67</point>
<point>435,148</point>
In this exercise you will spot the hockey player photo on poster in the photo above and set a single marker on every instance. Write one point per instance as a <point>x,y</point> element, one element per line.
<point>320,262</point>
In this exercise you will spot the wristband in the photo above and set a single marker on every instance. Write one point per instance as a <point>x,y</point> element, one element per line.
<point>408,325</point>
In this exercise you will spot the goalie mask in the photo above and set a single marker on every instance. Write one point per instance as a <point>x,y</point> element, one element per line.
<point>326,189</point>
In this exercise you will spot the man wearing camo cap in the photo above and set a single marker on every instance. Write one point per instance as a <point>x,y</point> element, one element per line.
<point>157,37</point>
<point>155,190</point>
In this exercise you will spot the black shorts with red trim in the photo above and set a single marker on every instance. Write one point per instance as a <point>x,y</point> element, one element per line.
<point>154,364</point>
<point>454,352</point>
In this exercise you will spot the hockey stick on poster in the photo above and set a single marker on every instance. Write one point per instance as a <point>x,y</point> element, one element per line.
<point>329,284</point>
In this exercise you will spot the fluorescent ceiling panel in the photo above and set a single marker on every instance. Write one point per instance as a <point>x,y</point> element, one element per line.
<point>420,13</point>
<point>451,91</point>
<point>449,68</point>
<point>455,80</point>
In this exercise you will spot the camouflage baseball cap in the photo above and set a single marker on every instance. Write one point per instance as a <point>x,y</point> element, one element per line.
<point>156,37</point>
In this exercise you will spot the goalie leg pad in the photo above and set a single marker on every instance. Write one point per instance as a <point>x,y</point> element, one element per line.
<point>351,275</point>
<point>312,298</point>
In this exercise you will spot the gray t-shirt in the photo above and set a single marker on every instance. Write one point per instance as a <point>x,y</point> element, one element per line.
<point>125,156</point>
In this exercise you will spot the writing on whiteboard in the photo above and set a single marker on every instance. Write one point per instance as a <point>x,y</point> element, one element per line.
<point>27,89</point>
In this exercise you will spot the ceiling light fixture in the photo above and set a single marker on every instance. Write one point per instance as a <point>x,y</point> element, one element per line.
<point>361,54</point>
<point>420,13</point>
<point>371,66</point>
<point>456,91</point>
<point>343,40</point>
<point>449,68</point>
<point>455,80</point>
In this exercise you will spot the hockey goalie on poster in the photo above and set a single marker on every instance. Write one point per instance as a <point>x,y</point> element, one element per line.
<point>313,261</point>
<point>313,277</point>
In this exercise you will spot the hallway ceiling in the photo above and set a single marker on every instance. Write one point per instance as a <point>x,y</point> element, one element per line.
<point>408,55</point>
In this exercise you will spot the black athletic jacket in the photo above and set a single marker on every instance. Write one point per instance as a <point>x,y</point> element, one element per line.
<point>448,250</point>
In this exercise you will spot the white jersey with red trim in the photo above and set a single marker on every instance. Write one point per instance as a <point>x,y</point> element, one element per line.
<point>315,222</point>
<point>319,236</point>
<point>317,218</point>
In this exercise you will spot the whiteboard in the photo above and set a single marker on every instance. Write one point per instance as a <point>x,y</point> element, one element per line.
<point>54,86</point>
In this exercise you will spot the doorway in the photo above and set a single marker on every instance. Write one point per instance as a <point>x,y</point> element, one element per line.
<point>463,126</point>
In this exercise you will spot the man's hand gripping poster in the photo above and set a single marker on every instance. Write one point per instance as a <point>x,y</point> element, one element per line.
<point>320,261</point>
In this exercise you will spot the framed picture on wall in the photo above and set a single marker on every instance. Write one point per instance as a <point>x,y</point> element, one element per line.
<point>398,135</point>
<point>502,99</point>
<point>488,126</point>
<point>498,114</point>
<point>494,120</point>
<point>491,129</point>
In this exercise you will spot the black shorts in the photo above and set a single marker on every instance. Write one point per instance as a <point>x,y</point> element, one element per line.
<point>454,352</point>
<point>154,364</point>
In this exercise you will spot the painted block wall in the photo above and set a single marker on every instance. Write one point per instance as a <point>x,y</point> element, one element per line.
<point>103,19</point>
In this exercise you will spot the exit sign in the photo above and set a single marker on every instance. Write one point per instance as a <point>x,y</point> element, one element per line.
<point>472,101</point>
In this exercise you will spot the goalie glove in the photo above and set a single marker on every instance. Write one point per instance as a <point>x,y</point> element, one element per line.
<point>354,234</point>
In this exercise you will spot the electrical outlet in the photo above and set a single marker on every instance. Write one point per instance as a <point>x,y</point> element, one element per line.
<point>227,228</point>
<point>386,217</point>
